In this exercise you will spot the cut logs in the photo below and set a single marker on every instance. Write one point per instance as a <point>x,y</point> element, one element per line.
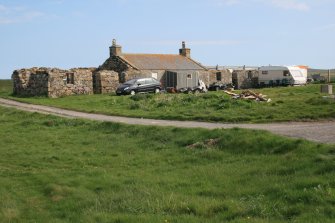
<point>249,95</point>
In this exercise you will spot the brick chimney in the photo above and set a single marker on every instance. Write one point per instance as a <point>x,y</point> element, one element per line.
<point>115,50</point>
<point>186,52</point>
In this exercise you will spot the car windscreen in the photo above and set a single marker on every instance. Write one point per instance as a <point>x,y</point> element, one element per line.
<point>130,82</point>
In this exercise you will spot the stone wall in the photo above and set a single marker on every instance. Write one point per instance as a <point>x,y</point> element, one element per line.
<point>30,82</point>
<point>70,82</point>
<point>52,82</point>
<point>105,81</point>
<point>114,63</point>
<point>220,76</point>
<point>244,79</point>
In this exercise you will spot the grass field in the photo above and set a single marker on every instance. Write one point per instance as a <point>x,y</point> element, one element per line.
<point>288,104</point>
<point>64,170</point>
<point>6,87</point>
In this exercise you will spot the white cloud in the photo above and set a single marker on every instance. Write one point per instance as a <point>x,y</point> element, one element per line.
<point>291,4</point>
<point>299,5</point>
<point>10,15</point>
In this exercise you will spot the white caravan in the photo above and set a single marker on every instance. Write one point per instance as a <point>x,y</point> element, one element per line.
<point>282,75</point>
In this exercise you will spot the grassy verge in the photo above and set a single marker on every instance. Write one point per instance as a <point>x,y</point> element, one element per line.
<point>62,170</point>
<point>288,104</point>
<point>6,87</point>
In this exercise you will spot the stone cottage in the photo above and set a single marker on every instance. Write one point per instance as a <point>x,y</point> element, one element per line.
<point>220,74</point>
<point>129,66</point>
<point>52,82</point>
<point>246,78</point>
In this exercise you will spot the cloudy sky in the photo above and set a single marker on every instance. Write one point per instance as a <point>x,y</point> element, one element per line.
<point>77,33</point>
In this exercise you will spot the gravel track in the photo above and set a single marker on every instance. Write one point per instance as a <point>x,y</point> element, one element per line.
<point>322,131</point>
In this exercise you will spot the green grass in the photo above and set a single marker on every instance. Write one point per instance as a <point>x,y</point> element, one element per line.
<point>6,87</point>
<point>64,170</point>
<point>288,104</point>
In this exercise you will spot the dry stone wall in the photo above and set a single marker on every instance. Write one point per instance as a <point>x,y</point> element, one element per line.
<point>30,82</point>
<point>52,82</point>
<point>105,81</point>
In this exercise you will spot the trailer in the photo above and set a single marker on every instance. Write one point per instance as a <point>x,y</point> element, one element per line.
<point>177,80</point>
<point>282,75</point>
<point>185,81</point>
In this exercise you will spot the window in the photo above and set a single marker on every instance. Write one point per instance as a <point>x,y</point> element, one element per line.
<point>154,75</point>
<point>123,77</point>
<point>286,73</point>
<point>149,81</point>
<point>218,76</point>
<point>140,81</point>
<point>249,74</point>
<point>265,72</point>
<point>70,78</point>
<point>189,76</point>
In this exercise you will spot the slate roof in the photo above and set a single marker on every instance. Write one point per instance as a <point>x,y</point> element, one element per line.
<point>161,62</point>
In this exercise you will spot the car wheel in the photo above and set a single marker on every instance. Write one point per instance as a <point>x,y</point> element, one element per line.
<point>217,88</point>
<point>157,90</point>
<point>132,92</point>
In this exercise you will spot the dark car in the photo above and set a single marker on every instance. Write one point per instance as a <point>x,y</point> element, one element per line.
<point>139,85</point>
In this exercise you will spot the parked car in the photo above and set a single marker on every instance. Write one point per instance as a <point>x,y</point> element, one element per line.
<point>219,86</point>
<point>139,85</point>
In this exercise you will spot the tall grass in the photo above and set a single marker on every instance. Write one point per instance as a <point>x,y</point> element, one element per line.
<point>64,170</point>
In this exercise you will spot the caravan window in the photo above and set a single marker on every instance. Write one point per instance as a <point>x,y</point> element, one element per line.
<point>265,72</point>
<point>286,73</point>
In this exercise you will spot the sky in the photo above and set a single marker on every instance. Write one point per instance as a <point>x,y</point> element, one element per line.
<point>78,33</point>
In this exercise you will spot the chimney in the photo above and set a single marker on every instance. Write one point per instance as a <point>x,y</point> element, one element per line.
<point>115,50</point>
<point>186,52</point>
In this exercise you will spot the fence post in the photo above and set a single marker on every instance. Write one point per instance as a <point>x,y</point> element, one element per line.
<point>329,76</point>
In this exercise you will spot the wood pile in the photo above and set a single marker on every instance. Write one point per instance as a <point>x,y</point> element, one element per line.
<point>249,95</point>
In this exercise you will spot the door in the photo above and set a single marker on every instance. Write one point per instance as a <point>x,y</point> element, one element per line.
<point>141,86</point>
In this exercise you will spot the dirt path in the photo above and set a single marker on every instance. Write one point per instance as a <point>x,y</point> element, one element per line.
<point>315,131</point>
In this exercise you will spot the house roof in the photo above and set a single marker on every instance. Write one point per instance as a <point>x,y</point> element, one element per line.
<point>161,62</point>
